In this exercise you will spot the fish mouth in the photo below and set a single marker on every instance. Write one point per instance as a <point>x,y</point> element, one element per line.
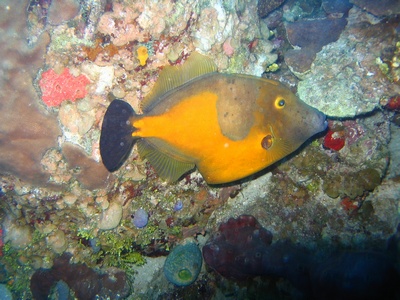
<point>325,123</point>
<point>322,121</point>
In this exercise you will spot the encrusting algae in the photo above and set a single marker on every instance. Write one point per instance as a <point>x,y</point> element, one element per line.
<point>227,125</point>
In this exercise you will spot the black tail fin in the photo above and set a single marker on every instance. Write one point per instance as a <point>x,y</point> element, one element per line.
<point>116,139</point>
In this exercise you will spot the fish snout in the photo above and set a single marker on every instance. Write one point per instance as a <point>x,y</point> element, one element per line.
<point>321,120</point>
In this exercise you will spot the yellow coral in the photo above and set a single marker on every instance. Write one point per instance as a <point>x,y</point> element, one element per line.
<point>142,55</point>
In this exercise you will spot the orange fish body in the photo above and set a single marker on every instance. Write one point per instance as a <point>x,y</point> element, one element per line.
<point>227,125</point>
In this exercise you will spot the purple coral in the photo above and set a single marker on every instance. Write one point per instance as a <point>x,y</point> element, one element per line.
<point>84,281</point>
<point>178,205</point>
<point>140,218</point>
<point>235,251</point>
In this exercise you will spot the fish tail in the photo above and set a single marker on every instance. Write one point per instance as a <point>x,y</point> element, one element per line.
<point>116,139</point>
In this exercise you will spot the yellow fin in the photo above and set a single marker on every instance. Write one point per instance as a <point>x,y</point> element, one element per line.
<point>166,167</point>
<point>174,76</point>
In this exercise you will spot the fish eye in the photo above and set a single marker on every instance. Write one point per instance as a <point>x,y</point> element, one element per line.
<point>280,103</point>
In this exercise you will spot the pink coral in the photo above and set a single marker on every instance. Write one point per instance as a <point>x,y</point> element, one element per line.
<point>227,47</point>
<point>57,88</point>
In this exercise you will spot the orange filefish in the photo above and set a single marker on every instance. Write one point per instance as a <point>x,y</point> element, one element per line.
<point>229,126</point>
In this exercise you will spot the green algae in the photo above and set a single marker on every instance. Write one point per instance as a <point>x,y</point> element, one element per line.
<point>62,42</point>
<point>117,251</point>
<point>272,68</point>
<point>236,62</point>
<point>85,234</point>
<point>17,263</point>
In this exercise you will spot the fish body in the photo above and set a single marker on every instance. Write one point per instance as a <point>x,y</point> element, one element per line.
<point>227,125</point>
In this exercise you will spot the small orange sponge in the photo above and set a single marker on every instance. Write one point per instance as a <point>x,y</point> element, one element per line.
<point>142,55</point>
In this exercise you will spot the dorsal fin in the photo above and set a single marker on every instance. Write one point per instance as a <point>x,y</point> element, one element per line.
<point>173,76</point>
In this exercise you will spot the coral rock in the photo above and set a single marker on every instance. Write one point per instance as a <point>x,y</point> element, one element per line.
<point>62,10</point>
<point>343,83</point>
<point>311,36</point>
<point>57,88</point>
<point>336,6</point>
<point>299,60</point>
<point>314,34</point>
<point>25,132</point>
<point>85,282</point>
<point>265,7</point>
<point>91,174</point>
<point>57,242</point>
<point>379,8</point>
<point>111,217</point>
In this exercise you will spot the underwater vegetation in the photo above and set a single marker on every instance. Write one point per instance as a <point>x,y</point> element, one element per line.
<point>242,248</point>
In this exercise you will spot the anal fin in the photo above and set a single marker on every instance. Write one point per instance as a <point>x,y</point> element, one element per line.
<point>167,168</point>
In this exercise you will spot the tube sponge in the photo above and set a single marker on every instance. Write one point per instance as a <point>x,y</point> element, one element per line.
<point>142,55</point>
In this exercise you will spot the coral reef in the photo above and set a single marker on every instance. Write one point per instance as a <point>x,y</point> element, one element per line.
<point>362,181</point>
<point>57,197</point>
<point>381,9</point>
<point>336,6</point>
<point>111,216</point>
<point>345,80</point>
<point>62,10</point>
<point>266,7</point>
<point>314,34</point>
<point>183,264</point>
<point>91,174</point>
<point>22,139</point>
<point>310,36</point>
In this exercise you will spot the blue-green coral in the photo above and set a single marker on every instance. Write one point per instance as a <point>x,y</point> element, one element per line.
<point>183,264</point>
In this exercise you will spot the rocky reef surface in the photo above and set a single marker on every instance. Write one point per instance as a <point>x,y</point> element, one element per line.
<point>63,61</point>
